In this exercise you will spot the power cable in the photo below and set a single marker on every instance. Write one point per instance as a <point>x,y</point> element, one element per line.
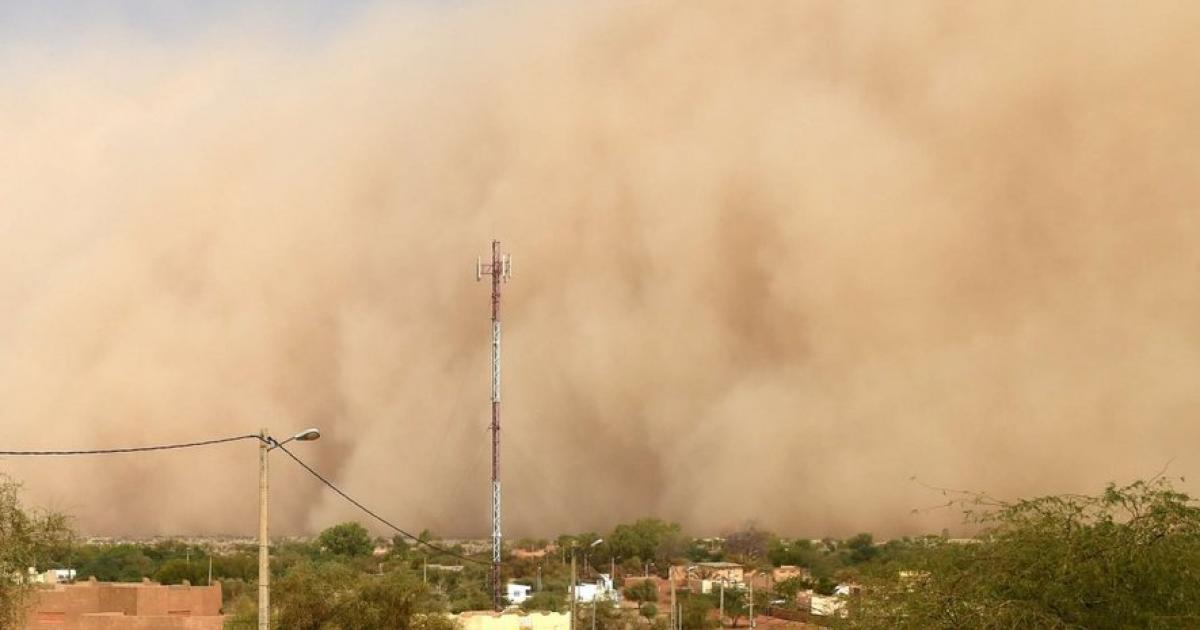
<point>135,449</point>
<point>250,436</point>
<point>374,515</point>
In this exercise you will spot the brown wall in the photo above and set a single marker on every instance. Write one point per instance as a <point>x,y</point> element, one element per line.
<point>122,599</point>
<point>121,622</point>
<point>191,600</point>
<point>60,603</point>
<point>145,606</point>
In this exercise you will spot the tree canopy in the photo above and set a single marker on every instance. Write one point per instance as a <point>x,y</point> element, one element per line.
<point>641,591</point>
<point>346,539</point>
<point>1125,558</point>
<point>749,545</point>
<point>26,538</point>
<point>647,540</point>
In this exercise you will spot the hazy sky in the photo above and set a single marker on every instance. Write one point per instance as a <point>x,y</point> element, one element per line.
<point>35,34</point>
<point>773,258</point>
<point>63,21</point>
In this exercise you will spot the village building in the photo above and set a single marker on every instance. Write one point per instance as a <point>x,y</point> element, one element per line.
<point>487,620</point>
<point>517,593</point>
<point>726,572</point>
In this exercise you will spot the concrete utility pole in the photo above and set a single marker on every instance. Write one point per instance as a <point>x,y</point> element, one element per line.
<point>674,616</point>
<point>264,558</point>
<point>571,625</point>
<point>752,603</point>
<point>721,616</point>
<point>265,444</point>
<point>500,269</point>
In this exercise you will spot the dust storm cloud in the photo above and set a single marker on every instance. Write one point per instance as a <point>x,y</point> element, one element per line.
<point>772,259</point>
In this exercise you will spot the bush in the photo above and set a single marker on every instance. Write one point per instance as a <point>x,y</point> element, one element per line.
<point>347,539</point>
<point>1122,559</point>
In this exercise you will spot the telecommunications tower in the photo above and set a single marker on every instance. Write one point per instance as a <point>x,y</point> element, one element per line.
<point>500,269</point>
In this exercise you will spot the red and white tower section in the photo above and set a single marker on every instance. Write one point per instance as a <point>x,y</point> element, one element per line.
<point>500,270</point>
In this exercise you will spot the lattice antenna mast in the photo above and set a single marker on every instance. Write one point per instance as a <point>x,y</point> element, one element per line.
<point>500,269</point>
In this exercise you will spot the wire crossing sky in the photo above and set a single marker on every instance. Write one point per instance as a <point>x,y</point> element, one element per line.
<point>274,445</point>
<point>132,449</point>
<point>779,257</point>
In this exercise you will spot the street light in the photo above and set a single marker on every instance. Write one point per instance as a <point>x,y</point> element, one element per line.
<point>575,585</point>
<point>587,560</point>
<point>587,557</point>
<point>265,444</point>
<point>306,435</point>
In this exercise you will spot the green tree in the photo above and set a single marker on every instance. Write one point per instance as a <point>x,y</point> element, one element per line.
<point>796,552</point>
<point>309,596</point>
<point>392,600</point>
<point>471,598</point>
<point>170,548</point>
<point>860,549</point>
<point>563,543</point>
<point>176,570</point>
<point>789,589</point>
<point>736,601</point>
<point>25,538</point>
<point>647,540</point>
<point>748,545</point>
<point>117,563</point>
<point>608,617</point>
<point>346,539</point>
<point>546,600</point>
<point>239,565</point>
<point>400,547</point>
<point>1125,558</point>
<point>642,591</point>
<point>241,613</point>
<point>824,585</point>
<point>333,595</point>
<point>696,613</point>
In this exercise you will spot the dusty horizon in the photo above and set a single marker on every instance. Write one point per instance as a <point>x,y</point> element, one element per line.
<point>771,261</point>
